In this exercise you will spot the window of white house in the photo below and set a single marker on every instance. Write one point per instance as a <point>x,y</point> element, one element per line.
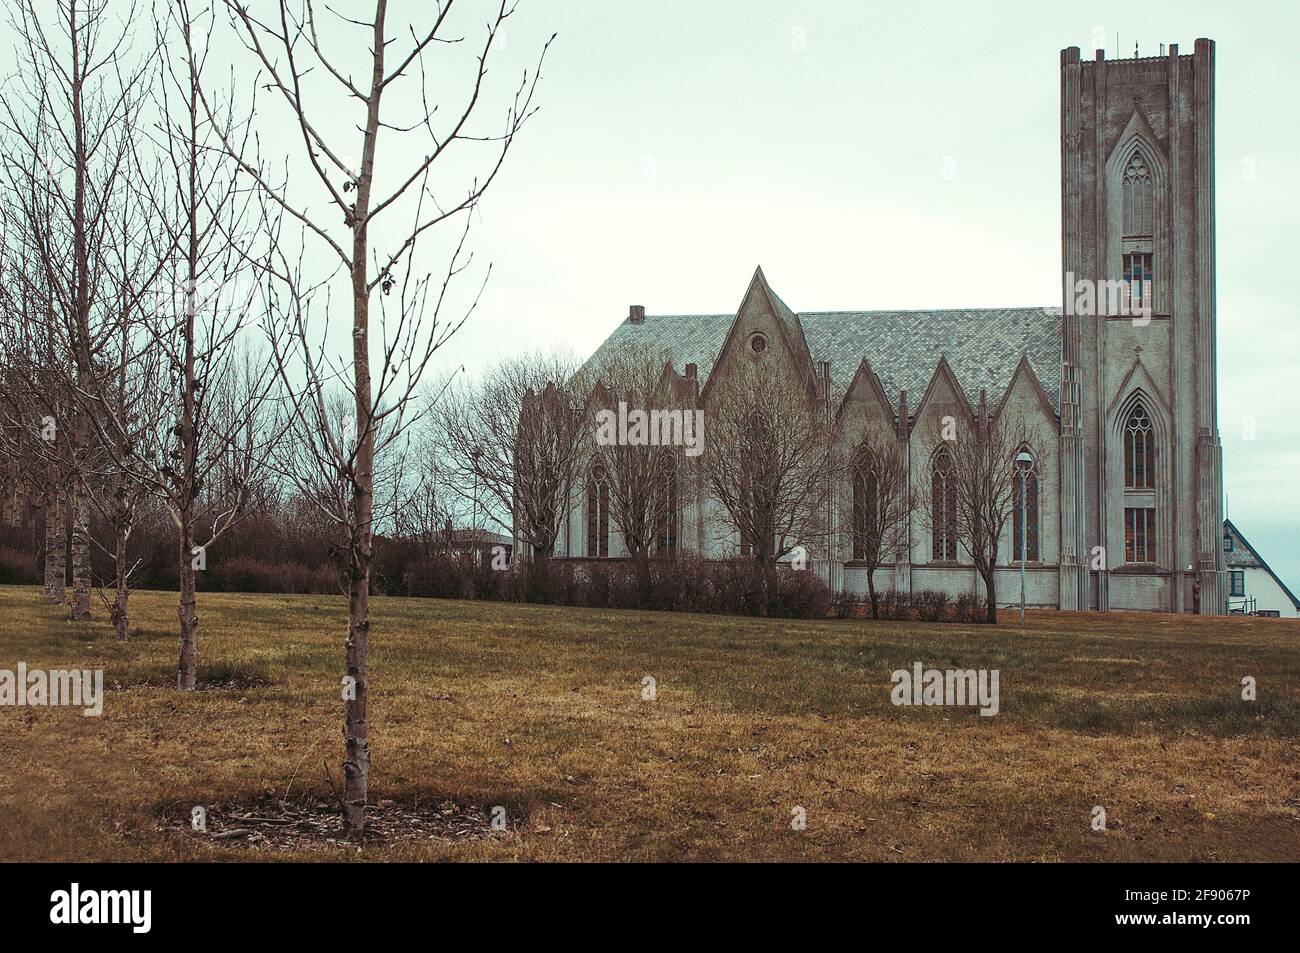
<point>1237,580</point>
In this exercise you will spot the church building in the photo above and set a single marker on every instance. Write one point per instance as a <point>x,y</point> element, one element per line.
<point>1117,380</point>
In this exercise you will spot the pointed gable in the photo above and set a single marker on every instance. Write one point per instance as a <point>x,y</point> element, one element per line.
<point>943,397</point>
<point>1025,390</point>
<point>865,405</point>
<point>764,329</point>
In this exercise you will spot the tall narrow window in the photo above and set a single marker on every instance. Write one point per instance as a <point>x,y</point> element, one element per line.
<point>666,508</point>
<point>1139,534</point>
<point>598,512</point>
<point>1138,234</point>
<point>944,501</point>
<point>1030,517</point>
<point>865,520</point>
<point>1137,280</point>
<point>1237,579</point>
<point>1139,451</point>
<point>1139,200</point>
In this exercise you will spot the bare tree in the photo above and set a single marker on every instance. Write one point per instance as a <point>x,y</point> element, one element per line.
<point>644,474</point>
<point>424,513</point>
<point>513,439</point>
<point>37,410</point>
<point>972,493</point>
<point>69,120</point>
<point>184,409</point>
<point>769,461</point>
<point>363,195</point>
<point>878,507</point>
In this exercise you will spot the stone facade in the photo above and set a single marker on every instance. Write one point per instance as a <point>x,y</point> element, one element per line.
<point>1156,116</point>
<point>1129,492</point>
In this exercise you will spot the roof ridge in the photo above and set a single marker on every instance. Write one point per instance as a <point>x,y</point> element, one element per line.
<point>1031,307</point>
<point>727,314</point>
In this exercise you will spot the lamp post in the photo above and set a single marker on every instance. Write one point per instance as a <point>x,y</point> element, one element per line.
<point>473,520</point>
<point>1024,463</point>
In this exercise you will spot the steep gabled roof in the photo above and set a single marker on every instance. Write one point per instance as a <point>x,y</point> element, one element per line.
<point>865,382</point>
<point>943,372</point>
<point>982,345</point>
<point>1233,560</point>
<point>1025,369</point>
<point>787,323</point>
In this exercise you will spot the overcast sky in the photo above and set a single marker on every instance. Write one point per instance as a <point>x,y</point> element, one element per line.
<point>868,156</point>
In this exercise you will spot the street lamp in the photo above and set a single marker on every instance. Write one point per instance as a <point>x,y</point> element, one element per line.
<point>1024,463</point>
<point>473,520</point>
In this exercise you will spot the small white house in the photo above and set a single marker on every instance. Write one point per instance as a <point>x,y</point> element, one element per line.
<point>1253,588</point>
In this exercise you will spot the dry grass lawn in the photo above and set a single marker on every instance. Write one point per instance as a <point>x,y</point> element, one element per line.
<point>540,710</point>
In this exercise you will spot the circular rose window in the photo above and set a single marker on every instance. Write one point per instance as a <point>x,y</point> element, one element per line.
<point>758,344</point>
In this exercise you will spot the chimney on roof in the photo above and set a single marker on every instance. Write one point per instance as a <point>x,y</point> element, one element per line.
<point>692,372</point>
<point>636,314</point>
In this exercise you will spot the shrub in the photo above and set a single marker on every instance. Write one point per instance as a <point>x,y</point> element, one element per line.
<point>843,604</point>
<point>894,604</point>
<point>968,607</point>
<point>800,595</point>
<point>930,605</point>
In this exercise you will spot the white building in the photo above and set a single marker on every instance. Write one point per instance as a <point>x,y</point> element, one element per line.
<point>1253,588</point>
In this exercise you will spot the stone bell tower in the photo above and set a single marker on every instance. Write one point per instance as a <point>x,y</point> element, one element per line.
<point>1141,506</point>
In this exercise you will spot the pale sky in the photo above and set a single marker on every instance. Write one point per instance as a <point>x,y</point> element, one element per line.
<point>682,142</point>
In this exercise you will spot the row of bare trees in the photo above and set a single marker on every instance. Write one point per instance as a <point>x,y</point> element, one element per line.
<point>776,473</point>
<point>168,279</point>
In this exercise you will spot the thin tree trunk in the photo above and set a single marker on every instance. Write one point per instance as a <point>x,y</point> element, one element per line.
<point>187,611</point>
<point>356,728</point>
<point>991,609</point>
<point>79,610</point>
<point>55,553</point>
<point>642,561</point>
<point>120,611</point>
<point>356,764</point>
<point>871,591</point>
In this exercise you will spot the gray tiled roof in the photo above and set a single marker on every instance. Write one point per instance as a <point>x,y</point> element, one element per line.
<point>982,345</point>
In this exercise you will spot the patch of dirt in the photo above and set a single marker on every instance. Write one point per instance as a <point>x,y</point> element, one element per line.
<point>273,824</point>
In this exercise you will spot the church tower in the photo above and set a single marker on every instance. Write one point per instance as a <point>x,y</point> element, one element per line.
<point>1141,507</point>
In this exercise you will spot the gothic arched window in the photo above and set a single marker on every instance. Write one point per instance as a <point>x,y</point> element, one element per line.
<point>944,504</point>
<point>1139,451</point>
<point>598,511</point>
<point>1139,487</point>
<point>1139,229</point>
<point>1030,516</point>
<point>865,502</point>
<point>1139,198</point>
